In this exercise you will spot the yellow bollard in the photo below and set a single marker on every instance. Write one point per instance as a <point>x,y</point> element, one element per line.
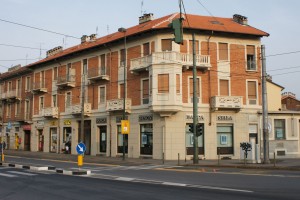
<point>80,160</point>
<point>2,157</point>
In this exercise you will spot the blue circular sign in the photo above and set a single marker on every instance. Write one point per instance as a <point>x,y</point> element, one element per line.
<point>80,148</point>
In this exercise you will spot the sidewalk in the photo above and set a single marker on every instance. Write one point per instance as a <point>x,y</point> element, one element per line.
<point>281,164</point>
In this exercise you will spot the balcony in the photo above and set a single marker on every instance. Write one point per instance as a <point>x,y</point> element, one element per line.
<point>95,74</point>
<point>51,112</point>
<point>171,57</point>
<point>66,81</point>
<point>117,105</point>
<point>39,87</point>
<point>226,102</point>
<point>76,109</point>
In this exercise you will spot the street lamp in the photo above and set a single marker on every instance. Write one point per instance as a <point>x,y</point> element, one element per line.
<point>123,30</point>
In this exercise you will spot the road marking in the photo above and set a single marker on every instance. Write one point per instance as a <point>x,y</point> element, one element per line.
<point>22,173</point>
<point>8,175</point>
<point>174,184</point>
<point>124,179</point>
<point>219,188</point>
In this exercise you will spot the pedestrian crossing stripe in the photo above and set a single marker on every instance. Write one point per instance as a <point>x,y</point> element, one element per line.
<point>8,175</point>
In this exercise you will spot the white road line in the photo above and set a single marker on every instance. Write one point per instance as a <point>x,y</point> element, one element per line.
<point>124,179</point>
<point>8,175</point>
<point>174,184</point>
<point>22,173</point>
<point>220,188</point>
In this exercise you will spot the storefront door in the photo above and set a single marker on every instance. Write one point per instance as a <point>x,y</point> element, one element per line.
<point>41,140</point>
<point>103,139</point>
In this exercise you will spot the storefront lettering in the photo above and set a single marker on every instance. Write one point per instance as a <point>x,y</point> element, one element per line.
<point>145,118</point>
<point>101,120</point>
<point>190,117</point>
<point>224,118</point>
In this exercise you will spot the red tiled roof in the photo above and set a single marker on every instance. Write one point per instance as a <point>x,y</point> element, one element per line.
<point>193,21</point>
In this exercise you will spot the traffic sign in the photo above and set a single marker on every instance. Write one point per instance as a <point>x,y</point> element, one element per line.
<point>80,148</point>
<point>9,125</point>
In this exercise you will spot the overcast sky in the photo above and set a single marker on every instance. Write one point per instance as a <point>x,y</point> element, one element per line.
<point>75,18</point>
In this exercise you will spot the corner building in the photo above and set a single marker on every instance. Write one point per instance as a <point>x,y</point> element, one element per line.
<point>158,92</point>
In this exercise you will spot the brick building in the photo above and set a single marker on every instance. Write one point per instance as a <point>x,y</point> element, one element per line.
<point>158,92</point>
<point>290,102</point>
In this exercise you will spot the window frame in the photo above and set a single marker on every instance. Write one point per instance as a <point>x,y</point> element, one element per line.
<point>146,100</point>
<point>100,103</point>
<point>249,61</point>
<point>277,128</point>
<point>226,51</point>
<point>161,87</point>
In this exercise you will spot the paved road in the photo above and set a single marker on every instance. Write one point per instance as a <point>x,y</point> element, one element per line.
<point>24,184</point>
<point>176,182</point>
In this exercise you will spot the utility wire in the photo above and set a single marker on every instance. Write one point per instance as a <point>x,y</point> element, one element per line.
<point>10,45</point>
<point>40,29</point>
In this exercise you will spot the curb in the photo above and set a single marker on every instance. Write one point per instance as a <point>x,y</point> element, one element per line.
<point>47,168</point>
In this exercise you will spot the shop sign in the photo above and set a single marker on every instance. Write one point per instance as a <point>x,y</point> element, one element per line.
<point>224,118</point>
<point>145,118</point>
<point>40,124</point>
<point>119,118</point>
<point>67,122</point>
<point>102,120</point>
<point>26,127</point>
<point>190,117</point>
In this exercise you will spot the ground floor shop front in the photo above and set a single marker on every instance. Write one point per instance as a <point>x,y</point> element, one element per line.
<point>150,135</point>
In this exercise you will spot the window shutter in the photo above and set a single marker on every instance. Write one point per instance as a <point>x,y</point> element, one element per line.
<point>163,83</point>
<point>145,89</point>
<point>146,49</point>
<point>224,87</point>
<point>177,83</point>
<point>251,90</point>
<point>223,51</point>
<point>166,45</point>
<point>250,50</point>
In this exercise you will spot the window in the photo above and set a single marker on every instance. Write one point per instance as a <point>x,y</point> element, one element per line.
<point>27,109</point>
<point>189,142</point>
<point>68,99</point>
<point>18,109</point>
<point>279,128</point>
<point>69,72</point>
<point>224,87</point>
<point>196,47</point>
<point>177,83</point>
<point>55,73</point>
<point>191,86</point>
<point>54,100</point>
<point>42,79</point>
<point>8,113</point>
<point>102,65</point>
<point>121,90</point>
<point>166,45</point>
<point>163,83</point>
<point>146,49</point>
<point>122,57</point>
<point>223,51</point>
<point>224,139</point>
<point>41,103</point>
<point>145,91</point>
<point>251,65</point>
<point>146,144</point>
<point>252,94</point>
<point>19,87</point>
<point>28,83</point>
<point>102,95</point>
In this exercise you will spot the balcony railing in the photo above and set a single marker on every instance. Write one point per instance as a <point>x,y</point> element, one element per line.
<point>51,112</point>
<point>39,86</point>
<point>98,73</point>
<point>171,57</point>
<point>77,109</point>
<point>226,102</point>
<point>117,105</point>
<point>66,81</point>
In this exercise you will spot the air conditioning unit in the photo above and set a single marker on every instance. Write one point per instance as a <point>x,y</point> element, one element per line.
<point>252,102</point>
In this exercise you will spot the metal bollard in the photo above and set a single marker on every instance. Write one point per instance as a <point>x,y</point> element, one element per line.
<point>274,159</point>
<point>178,160</point>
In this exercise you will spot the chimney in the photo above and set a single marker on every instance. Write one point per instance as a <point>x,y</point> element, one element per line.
<point>146,18</point>
<point>240,19</point>
<point>54,51</point>
<point>85,38</point>
<point>93,37</point>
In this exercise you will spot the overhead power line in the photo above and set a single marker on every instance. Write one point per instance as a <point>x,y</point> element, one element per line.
<point>10,45</point>
<point>40,29</point>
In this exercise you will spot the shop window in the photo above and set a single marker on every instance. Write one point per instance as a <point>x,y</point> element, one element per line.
<point>120,141</point>
<point>189,142</point>
<point>146,139</point>
<point>224,139</point>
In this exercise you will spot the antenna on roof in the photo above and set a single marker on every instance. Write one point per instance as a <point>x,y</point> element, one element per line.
<point>142,4</point>
<point>97,30</point>
<point>107,28</point>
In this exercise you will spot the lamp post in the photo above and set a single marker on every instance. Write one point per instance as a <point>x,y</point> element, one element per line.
<point>123,30</point>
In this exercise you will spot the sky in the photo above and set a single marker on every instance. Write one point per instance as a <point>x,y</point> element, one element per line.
<point>74,18</point>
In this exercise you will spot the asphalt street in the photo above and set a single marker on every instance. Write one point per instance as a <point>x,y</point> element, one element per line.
<point>147,181</point>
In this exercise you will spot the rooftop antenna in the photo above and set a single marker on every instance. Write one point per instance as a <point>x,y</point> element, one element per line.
<point>142,4</point>
<point>107,28</point>
<point>97,30</point>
